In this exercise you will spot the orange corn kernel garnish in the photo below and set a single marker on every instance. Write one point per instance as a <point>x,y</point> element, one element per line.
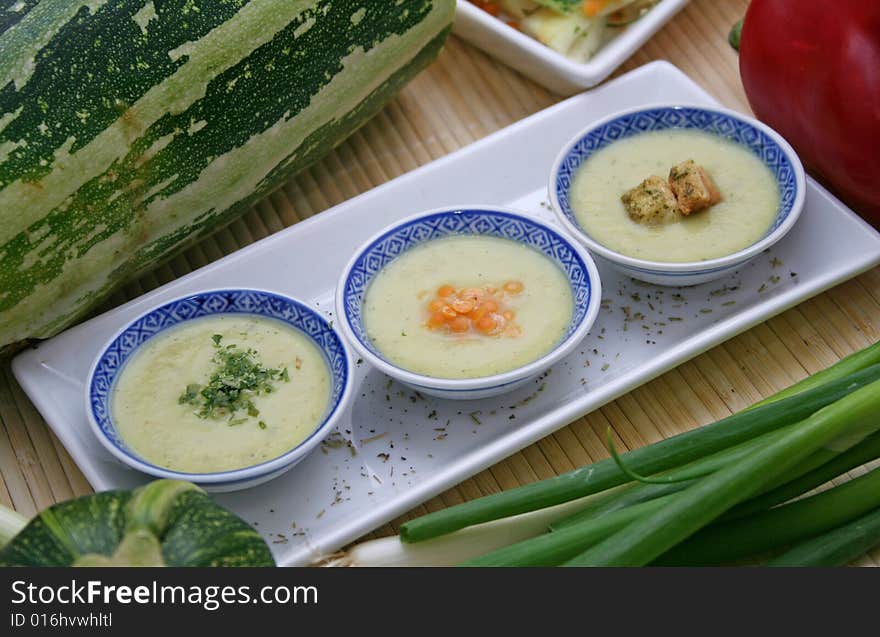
<point>468,309</point>
<point>486,324</point>
<point>436,305</point>
<point>436,320</point>
<point>462,306</point>
<point>460,324</point>
<point>479,312</point>
<point>513,287</point>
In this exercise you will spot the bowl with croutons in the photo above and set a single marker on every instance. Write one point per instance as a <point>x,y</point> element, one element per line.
<point>676,194</point>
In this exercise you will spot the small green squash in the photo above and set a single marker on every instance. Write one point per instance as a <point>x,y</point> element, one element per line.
<point>163,523</point>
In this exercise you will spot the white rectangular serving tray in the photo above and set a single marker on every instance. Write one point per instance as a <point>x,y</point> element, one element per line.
<point>401,449</point>
<point>550,68</point>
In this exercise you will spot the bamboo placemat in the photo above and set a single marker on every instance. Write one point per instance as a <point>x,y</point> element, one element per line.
<point>464,96</point>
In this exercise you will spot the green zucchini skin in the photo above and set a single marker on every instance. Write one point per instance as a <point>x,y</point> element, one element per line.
<point>129,128</point>
<point>194,531</point>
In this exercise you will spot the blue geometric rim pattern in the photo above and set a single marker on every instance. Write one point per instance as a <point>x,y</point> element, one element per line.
<point>462,222</point>
<point>653,119</point>
<point>211,303</point>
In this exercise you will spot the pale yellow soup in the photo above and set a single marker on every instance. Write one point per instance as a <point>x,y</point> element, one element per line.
<point>746,212</point>
<point>151,420</point>
<point>395,311</point>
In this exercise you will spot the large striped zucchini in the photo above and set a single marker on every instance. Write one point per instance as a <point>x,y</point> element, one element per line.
<point>130,126</point>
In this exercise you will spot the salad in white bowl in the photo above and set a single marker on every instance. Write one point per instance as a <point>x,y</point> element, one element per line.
<point>575,28</point>
<point>564,45</point>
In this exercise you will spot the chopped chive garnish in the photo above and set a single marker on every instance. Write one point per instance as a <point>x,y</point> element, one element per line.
<point>237,378</point>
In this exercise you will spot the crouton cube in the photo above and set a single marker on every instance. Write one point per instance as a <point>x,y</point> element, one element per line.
<point>693,187</point>
<point>652,202</point>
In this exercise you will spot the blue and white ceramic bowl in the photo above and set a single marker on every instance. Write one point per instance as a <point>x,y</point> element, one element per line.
<point>106,368</point>
<point>763,141</point>
<point>390,243</point>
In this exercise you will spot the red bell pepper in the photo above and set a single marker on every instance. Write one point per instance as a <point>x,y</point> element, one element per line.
<point>811,70</point>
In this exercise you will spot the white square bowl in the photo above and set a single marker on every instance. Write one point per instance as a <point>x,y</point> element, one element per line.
<point>548,67</point>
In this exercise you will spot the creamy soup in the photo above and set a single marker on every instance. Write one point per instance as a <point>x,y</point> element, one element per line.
<point>467,306</point>
<point>750,196</point>
<point>176,405</point>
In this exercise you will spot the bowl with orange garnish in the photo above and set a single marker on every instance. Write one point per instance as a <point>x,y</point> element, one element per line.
<point>467,302</point>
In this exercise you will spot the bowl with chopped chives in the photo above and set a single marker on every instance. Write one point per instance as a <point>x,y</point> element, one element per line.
<point>223,388</point>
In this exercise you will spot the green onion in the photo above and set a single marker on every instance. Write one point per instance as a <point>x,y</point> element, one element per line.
<point>777,527</point>
<point>808,477</point>
<point>616,500</point>
<point>453,548</point>
<point>837,547</point>
<point>851,364</point>
<point>665,478</point>
<point>594,522</point>
<point>634,493</point>
<point>552,549</point>
<point>688,511</point>
<point>661,456</point>
<point>865,451</point>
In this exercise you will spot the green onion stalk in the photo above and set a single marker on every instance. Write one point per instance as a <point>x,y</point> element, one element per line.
<point>841,425</point>
<point>772,529</point>
<point>837,547</point>
<point>856,456</point>
<point>551,549</point>
<point>601,516</point>
<point>659,457</point>
<point>846,366</point>
<point>677,479</point>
